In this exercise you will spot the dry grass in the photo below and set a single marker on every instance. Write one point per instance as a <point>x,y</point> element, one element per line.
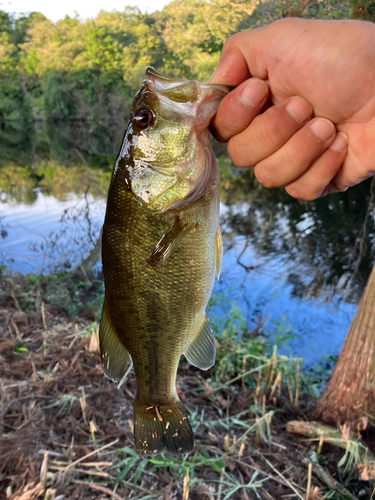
<point>66,431</point>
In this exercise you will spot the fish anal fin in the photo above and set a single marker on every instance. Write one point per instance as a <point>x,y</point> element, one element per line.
<point>163,427</point>
<point>113,353</point>
<point>169,242</point>
<point>218,251</point>
<point>202,351</point>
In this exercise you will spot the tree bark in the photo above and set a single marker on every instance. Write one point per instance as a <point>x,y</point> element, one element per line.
<point>350,392</point>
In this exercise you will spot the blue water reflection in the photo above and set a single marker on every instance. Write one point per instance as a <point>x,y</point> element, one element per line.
<point>49,233</point>
<point>53,233</point>
<point>263,291</point>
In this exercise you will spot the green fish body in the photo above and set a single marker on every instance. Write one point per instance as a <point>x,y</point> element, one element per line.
<point>161,248</point>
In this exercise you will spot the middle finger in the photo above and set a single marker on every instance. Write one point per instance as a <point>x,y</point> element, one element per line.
<point>268,132</point>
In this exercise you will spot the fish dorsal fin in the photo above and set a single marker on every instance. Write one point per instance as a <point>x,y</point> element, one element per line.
<point>201,352</point>
<point>218,251</point>
<point>169,241</point>
<point>112,351</point>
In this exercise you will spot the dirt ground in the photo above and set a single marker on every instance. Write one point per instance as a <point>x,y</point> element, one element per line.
<point>62,425</point>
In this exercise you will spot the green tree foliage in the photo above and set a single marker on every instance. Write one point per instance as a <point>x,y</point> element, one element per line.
<point>364,10</point>
<point>90,70</point>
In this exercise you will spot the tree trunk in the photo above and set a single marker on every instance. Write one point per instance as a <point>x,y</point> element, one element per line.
<point>350,392</point>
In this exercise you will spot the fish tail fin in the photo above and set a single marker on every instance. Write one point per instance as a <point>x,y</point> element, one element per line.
<point>163,427</point>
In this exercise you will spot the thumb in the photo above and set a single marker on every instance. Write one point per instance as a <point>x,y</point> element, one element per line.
<point>241,58</point>
<point>252,53</point>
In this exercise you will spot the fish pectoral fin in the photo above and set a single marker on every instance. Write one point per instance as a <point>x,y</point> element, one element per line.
<point>113,353</point>
<point>202,351</point>
<point>218,251</point>
<point>169,242</point>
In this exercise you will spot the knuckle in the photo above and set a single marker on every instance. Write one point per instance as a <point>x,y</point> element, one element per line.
<point>265,137</point>
<point>265,176</point>
<point>230,42</point>
<point>296,191</point>
<point>238,154</point>
<point>267,133</point>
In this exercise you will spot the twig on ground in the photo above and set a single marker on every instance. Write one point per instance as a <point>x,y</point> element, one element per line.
<point>125,374</point>
<point>30,492</point>
<point>90,454</point>
<point>286,481</point>
<point>83,471</point>
<point>220,483</point>
<point>86,464</point>
<point>98,487</point>
<point>365,460</point>
<point>324,476</point>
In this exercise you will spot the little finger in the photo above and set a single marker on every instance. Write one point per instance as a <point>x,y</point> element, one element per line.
<point>316,181</point>
<point>292,160</point>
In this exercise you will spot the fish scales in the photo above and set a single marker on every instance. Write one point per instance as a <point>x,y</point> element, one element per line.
<point>159,259</point>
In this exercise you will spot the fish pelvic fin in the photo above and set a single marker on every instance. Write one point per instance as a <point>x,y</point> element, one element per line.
<point>202,351</point>
<point>163,427</point>
<point>113,353</point>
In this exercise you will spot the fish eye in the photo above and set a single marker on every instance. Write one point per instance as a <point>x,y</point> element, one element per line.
<point>144,118</point>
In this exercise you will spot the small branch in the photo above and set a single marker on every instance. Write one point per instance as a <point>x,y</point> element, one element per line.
<point>365,459</point>
<point>83,471</point>
<point>97,487</point>
<point>90,454</point>
<point>86,464</point>
<point>286,481</point>
<point>125,374</point>
<point>325,476</point>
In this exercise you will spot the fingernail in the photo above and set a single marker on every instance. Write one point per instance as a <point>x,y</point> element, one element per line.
<point>329,190</point>
<point>299,109</point>
<point>322,128</point>
<point>254,92</point>
<point>340,143</point>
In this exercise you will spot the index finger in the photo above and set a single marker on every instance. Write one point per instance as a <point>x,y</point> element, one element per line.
<point>232,68</point>
<point>239,108</point>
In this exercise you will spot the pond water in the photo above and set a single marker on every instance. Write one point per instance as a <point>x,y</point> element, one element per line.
<point>295,267</point>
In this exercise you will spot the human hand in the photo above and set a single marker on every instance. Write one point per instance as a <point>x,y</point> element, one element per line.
<point>315,83</point>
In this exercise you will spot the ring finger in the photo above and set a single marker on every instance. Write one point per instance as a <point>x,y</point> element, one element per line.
<point>294,158</point>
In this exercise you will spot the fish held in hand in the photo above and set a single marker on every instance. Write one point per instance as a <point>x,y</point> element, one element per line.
<point>161,248</point>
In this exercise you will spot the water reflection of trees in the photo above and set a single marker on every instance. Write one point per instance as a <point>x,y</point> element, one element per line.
<point>63,141</point>
<point>329,237</point>
<point>58,157</point>
<point>325,236</point>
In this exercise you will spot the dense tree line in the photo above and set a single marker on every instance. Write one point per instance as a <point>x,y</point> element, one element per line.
<point>75,69</point>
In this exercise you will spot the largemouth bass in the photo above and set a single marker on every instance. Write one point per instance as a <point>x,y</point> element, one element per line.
<point>161,248</point>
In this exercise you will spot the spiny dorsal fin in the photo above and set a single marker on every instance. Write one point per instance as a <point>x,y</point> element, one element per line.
<point>113,352</point>
<point>201,352</point>
<point>218,251</point>
<point>169,241</point>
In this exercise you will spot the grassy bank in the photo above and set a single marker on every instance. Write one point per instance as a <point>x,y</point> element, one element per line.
<point>68,431</point>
